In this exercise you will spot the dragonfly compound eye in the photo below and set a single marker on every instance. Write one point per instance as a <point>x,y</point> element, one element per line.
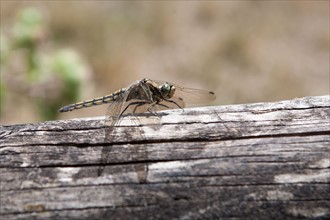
<point>165,90</point>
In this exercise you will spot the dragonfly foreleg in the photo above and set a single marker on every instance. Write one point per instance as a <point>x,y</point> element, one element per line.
<point>168,100</point>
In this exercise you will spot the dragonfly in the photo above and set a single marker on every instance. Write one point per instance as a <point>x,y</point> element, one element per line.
<point>142,96</point>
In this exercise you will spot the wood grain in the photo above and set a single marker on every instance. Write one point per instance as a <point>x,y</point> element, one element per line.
<point>255,161</point>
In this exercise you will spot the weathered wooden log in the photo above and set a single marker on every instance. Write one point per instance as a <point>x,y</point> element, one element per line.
<point>255,161</point>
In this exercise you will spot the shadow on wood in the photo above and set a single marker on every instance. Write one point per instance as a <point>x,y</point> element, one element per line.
<point>257,161</point>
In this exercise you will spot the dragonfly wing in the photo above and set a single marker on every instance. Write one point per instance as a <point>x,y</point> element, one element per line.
<point>111,119</point>
<point>193,96</point>
<point>132,101</point>
<point>190,95</point>
<point>137,99</point>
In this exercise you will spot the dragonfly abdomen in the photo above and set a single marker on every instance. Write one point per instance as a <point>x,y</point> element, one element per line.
<point>92,102</point>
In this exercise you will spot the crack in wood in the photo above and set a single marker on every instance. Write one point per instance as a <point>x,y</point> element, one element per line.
<point>261,160</point>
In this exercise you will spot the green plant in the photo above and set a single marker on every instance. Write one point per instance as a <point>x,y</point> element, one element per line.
<point>32,69</point>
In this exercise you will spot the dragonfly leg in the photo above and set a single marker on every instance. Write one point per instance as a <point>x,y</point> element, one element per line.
<point>133,103</point>
<point>168,100</point>
<point>150,109</point>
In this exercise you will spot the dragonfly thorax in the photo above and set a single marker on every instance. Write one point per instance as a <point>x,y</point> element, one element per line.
<point>160,92</point>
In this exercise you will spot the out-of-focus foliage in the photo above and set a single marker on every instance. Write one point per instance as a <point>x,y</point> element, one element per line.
<point>29,28</point>
<point>3,57</point>
<point>31,69</point>
<point>244,51</point>
<point>69,68</point>
<point>4,50</point>
<point>28,33</point>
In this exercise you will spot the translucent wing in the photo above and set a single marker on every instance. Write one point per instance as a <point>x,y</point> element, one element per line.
<point>194,96</point>
<point>190,95</point>
<point>111,119</point>
<point>133,100</point>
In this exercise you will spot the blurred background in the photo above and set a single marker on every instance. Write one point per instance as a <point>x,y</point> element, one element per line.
<point>54,53</point>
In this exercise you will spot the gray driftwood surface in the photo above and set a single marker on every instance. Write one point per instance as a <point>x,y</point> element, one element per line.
<point>253,161</point>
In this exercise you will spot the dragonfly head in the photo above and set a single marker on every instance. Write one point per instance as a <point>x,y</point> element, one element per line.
<point>167,90</point>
